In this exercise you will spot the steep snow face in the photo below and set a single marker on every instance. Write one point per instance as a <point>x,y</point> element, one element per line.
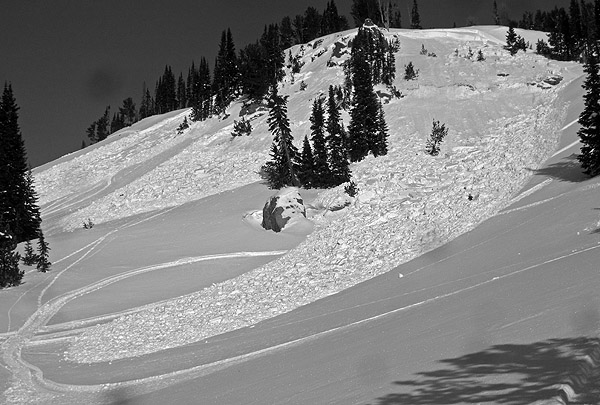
<point>503,120</point>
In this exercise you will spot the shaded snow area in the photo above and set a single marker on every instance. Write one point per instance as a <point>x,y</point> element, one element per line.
<point>503,118</point>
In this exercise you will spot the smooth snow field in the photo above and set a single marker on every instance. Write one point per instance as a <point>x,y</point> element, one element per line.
<point>466,278</point>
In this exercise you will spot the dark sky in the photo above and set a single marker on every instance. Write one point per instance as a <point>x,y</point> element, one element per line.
<point>68,59</point>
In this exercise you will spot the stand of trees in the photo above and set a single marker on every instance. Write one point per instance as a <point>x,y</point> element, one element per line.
<point>20,219</point>
<point>589,119</point>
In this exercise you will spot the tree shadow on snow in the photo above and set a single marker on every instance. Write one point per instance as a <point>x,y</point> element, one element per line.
<point>568,169</point>
<point>532,370</point>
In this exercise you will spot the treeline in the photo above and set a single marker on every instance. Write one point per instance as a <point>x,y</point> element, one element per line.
<point>249,72</point>
<point>570,32</point>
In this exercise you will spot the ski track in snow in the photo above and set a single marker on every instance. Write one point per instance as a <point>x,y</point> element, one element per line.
<point>408,202</point>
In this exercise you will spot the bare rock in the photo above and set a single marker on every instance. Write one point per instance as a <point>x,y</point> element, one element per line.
<point>280,208</point>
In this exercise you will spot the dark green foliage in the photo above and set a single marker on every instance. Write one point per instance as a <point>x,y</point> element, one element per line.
<point>415,17</point>
<point>183,126</point>
<point>370,45</point>
<point>165,97</point>
<point>351,189</point>
<point>379,145</point>
<point>18,200</point>
<point>43,264</point>
<point>242,127</point>
<point>480,56</point>
<point>226,74</point>
<point>127,112</point>
<point>312,23</point>
<point>281,170</point>
<point>322,174</point>
<point>363,9</point>
<point>336,143</point>
<point>200,94</point>
<point>116,123</point>
<point>438,133</point>
<point>331,21</point>
<point>542,48</point>
<point>306,167</point>
<point>410,73</point>
<point>511,41</point>
<point>181,92</point>
<point>589,119</point>
<point>10,274</point>
<point>286,32</point>
<point>364,122</point>
<point>30,257</point>
<point>146,104</point>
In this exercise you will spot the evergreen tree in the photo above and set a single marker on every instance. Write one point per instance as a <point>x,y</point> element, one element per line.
<point>226,73</point>
<point>181,92</point>
<point>415,18</point>
<point>589,119</point>
<point>370,44</point>
<point>332,22</point>
<point>438,133</point>
<point>317,127</point>
<point>364,123</point>
<point>379,145</point>
<point>312,24</point>
<point>336,144</point>
<point>274,55</point>
<point>18,201</point>
<point>146,104</point>
<point>103,125</point>
<point>306,167</point>
<point>286,32</point>
<point>127,112</point>
<point>511,41</point>
<point>43,264</point>
<point>116,123</point>
<point>575,27</point>
<point>597,20</point>
<point>254,75</point>
<point>363,9</point>
<point>202,94</point>
<point>10,274</point>
<point>91,132</point>
<point>281,171</point>
<point>30,257</point>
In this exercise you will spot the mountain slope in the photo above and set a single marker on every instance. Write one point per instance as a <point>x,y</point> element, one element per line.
<point>148,182</point>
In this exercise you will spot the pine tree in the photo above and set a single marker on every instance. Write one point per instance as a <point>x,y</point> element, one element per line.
<point>511,41</point>
<point>312,23</point>
<point>127,112</point>
<point>317,127</point>
<point>181,92</point>
<point>364,113</point>
<point>18,201</point>
<point>589,119</point>
<point>201,93</point>
<point>281,170</point>
<point>286,32</point>
<point>10,274</point>
<point>30,257</point>
<point>43,264</point>
<point>91,132</point>
<point>415,18</point>
<point>379,145</point>
<point>363,9</point>
<point>306,167</point>
<point>226,73</point>
<point>146,104</point>
<point>438,133</point>
<point>103,125</point>
<point>336,147</point>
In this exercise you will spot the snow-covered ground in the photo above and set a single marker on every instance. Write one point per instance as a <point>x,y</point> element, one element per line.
<point>504,120</point>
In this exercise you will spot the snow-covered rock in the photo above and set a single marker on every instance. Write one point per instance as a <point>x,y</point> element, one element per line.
<point>282,207</point>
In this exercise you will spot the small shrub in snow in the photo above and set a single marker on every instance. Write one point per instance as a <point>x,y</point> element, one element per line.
<point>43,264</point>
<point>423,50</point>
<point>542,48</point>
<point>438,133</point>
<point>88,224</point>
<point>183,126</point>
<point>470,54</point>
<point>303,85</point>
<point>242,127</point>
<point>351,189</point>
<point>480,57</point>
<point>410,73</point>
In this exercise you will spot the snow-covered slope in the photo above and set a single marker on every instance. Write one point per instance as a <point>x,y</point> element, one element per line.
<point>504,117</point>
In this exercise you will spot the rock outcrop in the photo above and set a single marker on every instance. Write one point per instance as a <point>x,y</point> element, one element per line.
<point>280,208</point>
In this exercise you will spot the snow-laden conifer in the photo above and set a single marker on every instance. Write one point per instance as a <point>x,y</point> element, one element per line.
<point>589,119</point>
